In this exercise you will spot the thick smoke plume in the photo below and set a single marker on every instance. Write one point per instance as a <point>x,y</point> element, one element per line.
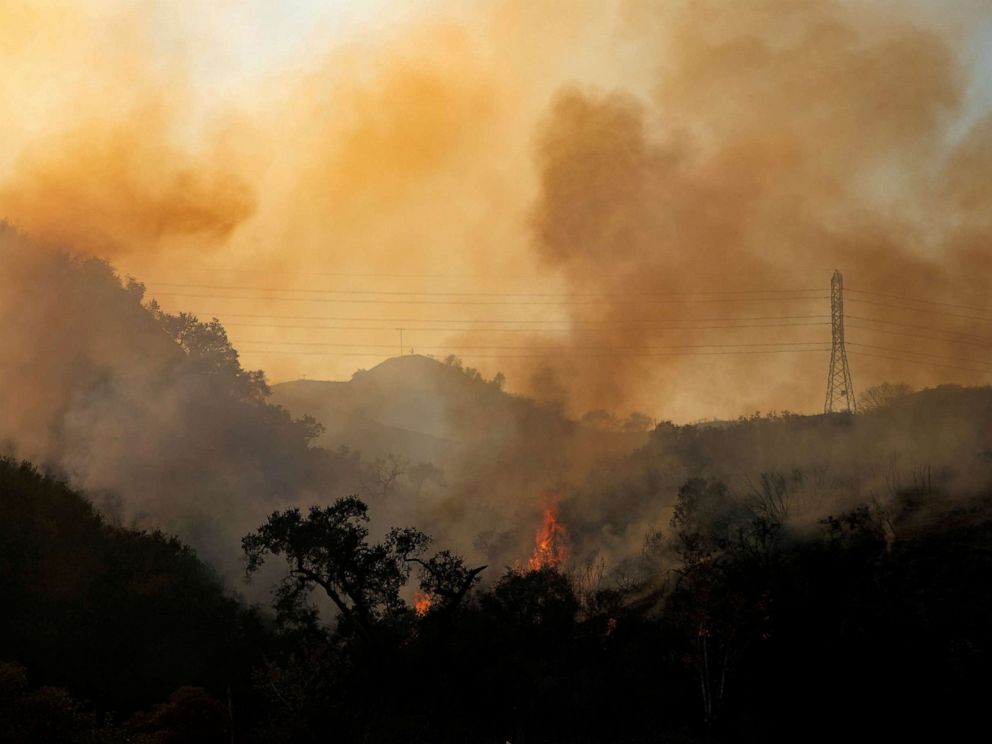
<point>163,433</point>
<point>781,140</point>
<point>99,149</point>
<point>621,149</point>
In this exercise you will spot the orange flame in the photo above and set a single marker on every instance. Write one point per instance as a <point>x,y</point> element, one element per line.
<point>422,603</point>
<point>550,551</point>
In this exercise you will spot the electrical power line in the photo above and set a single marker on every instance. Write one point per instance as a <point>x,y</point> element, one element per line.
<point>902,334</point>
<point>554,355</point>
<point>922,362</point>
<point>920,328</point>
<point>563,331</point>
<point>556,295</point>
<point>513,321</point>
<point>919,301</point>
<point>905,351</point>
<point>458,301</point>
<point>557,350</point>
<point>685,269</point>
<point>919,310</point>
<point>222,292</point>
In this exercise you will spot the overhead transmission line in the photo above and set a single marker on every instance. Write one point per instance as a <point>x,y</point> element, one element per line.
<point>531,347</point>
<point>535,331</point>
<point>922,362</point>
<point>904,351</point>
<point>562,321</point>
<point>212,273</point>
<point>926,311</point>
<point>520,302</point>
<point>917,300</point>
<point>903,334</point>
<point>557,355</point>
<point>561,326</point>
<point>914,326</point>
<point>438,293</point>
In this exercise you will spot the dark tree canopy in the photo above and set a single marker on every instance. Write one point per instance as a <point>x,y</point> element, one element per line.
<point>210,351</point>
<point>328,547</point>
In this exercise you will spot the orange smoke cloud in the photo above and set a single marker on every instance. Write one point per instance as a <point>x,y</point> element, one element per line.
<point>621,151</point>
<point>781,140</point>
<point>99,127</point>
<point>123,188</point>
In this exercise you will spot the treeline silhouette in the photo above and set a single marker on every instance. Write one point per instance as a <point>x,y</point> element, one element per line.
<point>746,631</point>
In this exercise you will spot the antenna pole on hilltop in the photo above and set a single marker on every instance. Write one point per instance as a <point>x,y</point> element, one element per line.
<point>840,389</point>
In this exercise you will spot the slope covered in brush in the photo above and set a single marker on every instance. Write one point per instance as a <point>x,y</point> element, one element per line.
<point>119,617</point>
<point>477,464</point>
<point>150,412</point>
<point>916,460</point>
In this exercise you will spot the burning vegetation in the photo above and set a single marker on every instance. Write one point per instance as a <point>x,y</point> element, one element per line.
<point>551,541</point>
<point>422,603</point>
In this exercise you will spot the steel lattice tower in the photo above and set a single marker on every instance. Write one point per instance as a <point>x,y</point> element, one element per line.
<point>840,389</point>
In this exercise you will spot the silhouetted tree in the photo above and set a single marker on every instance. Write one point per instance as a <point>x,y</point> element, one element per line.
<point>881,396</point>
<point>715,536</point>
<point>419,475</point>
<point>46,714</point>
<point>208,348</point>
<point>445,578</point>
<point>190,716</point>
<point>329,548</point>
<point>637,422</point>
<point>383,473</point>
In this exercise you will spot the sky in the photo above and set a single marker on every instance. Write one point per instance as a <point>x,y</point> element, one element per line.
<point>622,205</point>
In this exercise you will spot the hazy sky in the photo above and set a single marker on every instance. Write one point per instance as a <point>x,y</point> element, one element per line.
<point>563,155</point>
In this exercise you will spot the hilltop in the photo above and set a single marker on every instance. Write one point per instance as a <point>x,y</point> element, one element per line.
<point>427,410</point>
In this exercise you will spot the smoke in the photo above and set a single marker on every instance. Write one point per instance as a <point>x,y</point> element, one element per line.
<point>627,149</point>
<point>94,388</point>
<point>780,140</point>
<point>100,152</point>
<point>630,156</point>
<point>918,464</point>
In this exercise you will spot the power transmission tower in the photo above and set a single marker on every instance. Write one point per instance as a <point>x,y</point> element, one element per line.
<point>840,389</point>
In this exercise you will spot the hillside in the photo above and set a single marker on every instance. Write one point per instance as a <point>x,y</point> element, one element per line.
<point>426,410</point>
<point>151,413</point>
<point>474,464</point>
<point>918,459</point>
<point>119,617</point>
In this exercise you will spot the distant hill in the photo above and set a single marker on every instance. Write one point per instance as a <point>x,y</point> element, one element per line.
<point>426,410</point>
<point>494,459</point>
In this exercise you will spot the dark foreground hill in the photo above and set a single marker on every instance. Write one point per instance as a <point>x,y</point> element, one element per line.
<point>120,619</point>
<point>753,634</point>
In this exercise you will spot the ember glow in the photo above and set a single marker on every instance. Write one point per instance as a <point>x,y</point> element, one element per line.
<point>550,550</point>
<point>422,603</point>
